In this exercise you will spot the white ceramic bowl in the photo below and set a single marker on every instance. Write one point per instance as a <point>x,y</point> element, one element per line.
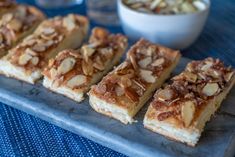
<point>175,31</point>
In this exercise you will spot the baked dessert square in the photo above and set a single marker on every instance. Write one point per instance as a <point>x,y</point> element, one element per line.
<point>181,109</point>
<point>16,25</point>
<point>7,6</point>
<point>27,60</point>
<point>72,72</point>
<point>123,92</point>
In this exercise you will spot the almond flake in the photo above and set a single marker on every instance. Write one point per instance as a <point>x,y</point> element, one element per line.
<point>7,17</point>
<point>119,91</point>
<point>24,58</point>
<point>165,94</point>
<point>35,60</point>
<point>210,89</point>
<point>87,67</point>
<point>190,76</point>
<point>187,112</point>
<point>133,61</point>
<point>53,73</point>
<point>206,66</point>
<point>15,25</point>
<point>48,31</point>
<point>147,76</point>
<point>87,52</point>
<point>39,48</point>
<point>69,22</point>
<point>30,52</point>
<point>66,65</point>
<point>76,81</point>
<point>228,76</point>
<point>158,62</point>
<point>145,62</point>
<point>125,82</point>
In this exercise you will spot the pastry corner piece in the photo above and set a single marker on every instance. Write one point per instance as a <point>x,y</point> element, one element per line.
<point>123,92</point>
<point>180,110</point>
<point>27,59</point>
<point>17,24</point>
<point>72,72</point>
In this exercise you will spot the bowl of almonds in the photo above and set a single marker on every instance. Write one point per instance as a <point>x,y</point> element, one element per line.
<point>173,23</point>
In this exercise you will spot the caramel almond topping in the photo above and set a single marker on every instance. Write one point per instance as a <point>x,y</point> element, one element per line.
<point>76,81</point>
<point>187,112</point>
<point>158,62</point>
<point>66,65</point>
<point>210,89</point>
<point>147,76</point>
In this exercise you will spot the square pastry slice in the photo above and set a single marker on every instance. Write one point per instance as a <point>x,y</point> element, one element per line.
<point>27,60</point>
<point>72,72</point>
<point>125,90</point>
<point>181,109</point>
<point>16,25</point>
<point>7,6</point>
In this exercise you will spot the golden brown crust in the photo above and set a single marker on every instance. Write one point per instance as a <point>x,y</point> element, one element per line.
<point>185,98</point>
<point>17,24</point>
<point>130,80</point>
<point>76,68</point>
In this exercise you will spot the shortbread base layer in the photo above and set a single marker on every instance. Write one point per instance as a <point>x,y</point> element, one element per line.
<point>79,96</point>
<point>191,135</point>
<point>76,96</point>
<point>122,114</point>
<point>19,73</point>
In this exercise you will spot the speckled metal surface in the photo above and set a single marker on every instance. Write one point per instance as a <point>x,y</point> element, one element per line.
<point>217,140</point>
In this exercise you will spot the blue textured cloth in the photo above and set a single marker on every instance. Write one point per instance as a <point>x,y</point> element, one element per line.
<point>25,135</point>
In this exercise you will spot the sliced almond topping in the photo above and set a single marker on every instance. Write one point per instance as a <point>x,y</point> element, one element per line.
<point>69,22</point>
<point>187,112</point>
<point>107,52</point>
<point>158,62</point>
<point>133,61</point>
<point>228,76</point>
<point>98,63</point>
<point>150,50</point>
<point>210,89</point>
<point>35,60</point>
<point>147,76</point>
<point>66,65</point>
<point>87,67</point>
<point>190,76</point>
<point>131,94</point>
<point>145,62</point>
<point>48,31</point>
<point>165,94</point>
<point>87,52</point>
<point>30,52</point>
<point>53,73</point>
<point>39,48</point>
<point>15,25</point>
<point>7,17</point>
<point>125,82</point>
<point>76,81</point>
<point>119,91</point>
<point>206,66</point>
<point>24,58</point>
